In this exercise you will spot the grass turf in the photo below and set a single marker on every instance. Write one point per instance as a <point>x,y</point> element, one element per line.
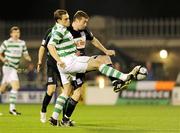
<point>96,119</point>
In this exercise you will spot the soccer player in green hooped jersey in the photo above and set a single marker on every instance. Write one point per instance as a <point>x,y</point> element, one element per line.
<point>63,49</point>
<point>11,51</point>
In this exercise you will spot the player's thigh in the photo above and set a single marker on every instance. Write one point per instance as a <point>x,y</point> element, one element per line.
<point>51,89</point>
<point>78,65</point>
<point>93,64</point>
<point>15,85</point>
<point>67,88</point>
<point>3,87</point>
<point>96,61</point>
<point>10,76</point>
<point>104,59</point>
<point>77,94</point>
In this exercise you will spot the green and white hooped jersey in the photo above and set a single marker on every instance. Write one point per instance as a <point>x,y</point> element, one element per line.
<point>13,51</point>
<point>63,41</point>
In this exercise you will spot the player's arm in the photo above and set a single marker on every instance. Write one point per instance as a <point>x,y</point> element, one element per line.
<point>2,49</point>
<point>43,48</point>
<point>52,49</point>
<point>2,58</point>
<point>40,57</point>
<point>25,53</point>
<point>27,57</point>
<point>98,45</point>
<point>53,52</point>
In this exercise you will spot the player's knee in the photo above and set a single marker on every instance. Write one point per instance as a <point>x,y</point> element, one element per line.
<point>108,60</point>
<point>105,59</point>
<point>15,85</point>
<point>50,92</point>
<point>77,94</point>
<point>51,89</point>
<point>2,88</point>
<point>99,62</point>
<point>67,89</point>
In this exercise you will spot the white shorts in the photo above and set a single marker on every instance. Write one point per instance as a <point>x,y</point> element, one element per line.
<point>74,64</point>
<point>9,75</point>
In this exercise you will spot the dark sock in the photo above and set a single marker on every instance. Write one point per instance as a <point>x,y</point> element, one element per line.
<point>112,78</point>
<point>46,101</point>
<point>71,104</point>
<point>65,106</point>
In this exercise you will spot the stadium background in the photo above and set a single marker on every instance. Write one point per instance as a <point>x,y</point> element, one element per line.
<point>137,30</point>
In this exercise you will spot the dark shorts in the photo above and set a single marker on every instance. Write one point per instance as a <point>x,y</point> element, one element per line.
<point>52,75</point>
<point>80,76</point>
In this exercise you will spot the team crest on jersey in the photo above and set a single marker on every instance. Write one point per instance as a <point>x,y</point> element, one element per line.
<point>50,79</point>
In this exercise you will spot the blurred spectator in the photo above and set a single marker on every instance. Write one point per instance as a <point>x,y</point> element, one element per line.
<point>150,75</point>
<point>31,73</point>
<point>117,66</point>
<point>178,79</point>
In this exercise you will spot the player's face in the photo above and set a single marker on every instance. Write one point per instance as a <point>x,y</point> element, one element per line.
<point>65,20</point>
<point>82,23</point>
<point>15,34</point>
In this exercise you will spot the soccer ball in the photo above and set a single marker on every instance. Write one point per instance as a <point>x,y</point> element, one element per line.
<point>142,73</point>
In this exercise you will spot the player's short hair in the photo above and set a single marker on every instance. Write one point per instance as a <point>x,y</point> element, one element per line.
<point>14,28</point>
<point>58,14</point>
<point>80,14</point>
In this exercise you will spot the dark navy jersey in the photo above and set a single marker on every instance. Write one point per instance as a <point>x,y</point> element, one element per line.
<point>81,35</point>
<point>47,36</point>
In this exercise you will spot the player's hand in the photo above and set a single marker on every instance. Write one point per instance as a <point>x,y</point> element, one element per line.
<point>38,67</point>
<point>61,64</point>
<point>5,60</point>
<point>28,58</point>
<point>78,53</point>
<point>80,44</point>
<point>110,52</point>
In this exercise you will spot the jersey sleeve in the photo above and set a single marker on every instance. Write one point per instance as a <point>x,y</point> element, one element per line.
<point>45,38</point>
<point>56,36</point>
<point>25,49</point>
<point>89,35</point>
<point>2,47</point>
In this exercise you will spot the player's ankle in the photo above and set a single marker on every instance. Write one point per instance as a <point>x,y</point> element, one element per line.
<point>65,118</point>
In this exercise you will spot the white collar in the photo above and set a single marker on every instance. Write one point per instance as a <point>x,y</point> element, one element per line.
<point>60,25</point>
<point>11,39</point>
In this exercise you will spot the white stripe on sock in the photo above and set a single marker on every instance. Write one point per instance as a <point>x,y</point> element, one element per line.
<point>58,106</point>
<point>101,67</point>
<point>109,71</point>
<point>55,115</point>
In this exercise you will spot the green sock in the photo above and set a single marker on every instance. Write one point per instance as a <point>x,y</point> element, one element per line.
<point>12,99</point>
<point>59,105</point>
<point>111,72</point>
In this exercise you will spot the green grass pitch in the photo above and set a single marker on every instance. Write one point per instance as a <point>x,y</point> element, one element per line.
<point>96,119</point>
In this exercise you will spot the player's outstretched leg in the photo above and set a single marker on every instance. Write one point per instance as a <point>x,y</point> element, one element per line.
<point>104,65</point>
<point>111,72</point>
